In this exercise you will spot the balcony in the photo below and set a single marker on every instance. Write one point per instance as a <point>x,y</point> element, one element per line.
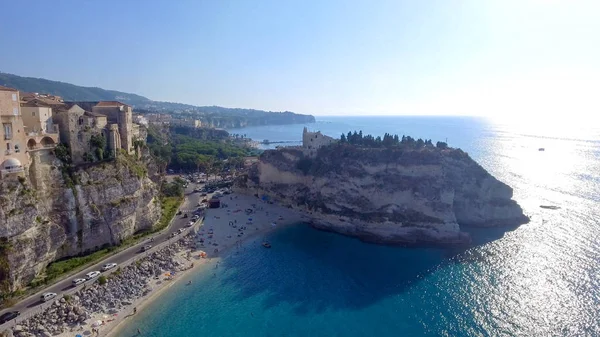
<point>42,141</point>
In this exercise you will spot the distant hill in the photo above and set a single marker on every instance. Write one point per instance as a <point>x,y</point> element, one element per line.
<point>212,115</point>
<point>69,92</point>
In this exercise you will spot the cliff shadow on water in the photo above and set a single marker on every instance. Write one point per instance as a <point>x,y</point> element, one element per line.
<point>315,271</point>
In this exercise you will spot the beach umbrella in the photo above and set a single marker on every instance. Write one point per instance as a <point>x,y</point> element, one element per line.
<point>78,336</point>
<point>97,323</point>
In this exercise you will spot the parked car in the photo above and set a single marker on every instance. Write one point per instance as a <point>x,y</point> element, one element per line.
<point>190,224</point>
<point>92,274</point>
<point>47,296</point>
<point>203,194</point>
<point>108,266</point>
<point>181,230</point>
<point>78,281</point>
<point>146,248</point>
<point>7,316</point>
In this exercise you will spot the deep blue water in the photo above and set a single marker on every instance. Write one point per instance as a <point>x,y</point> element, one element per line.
<point>540,279</point>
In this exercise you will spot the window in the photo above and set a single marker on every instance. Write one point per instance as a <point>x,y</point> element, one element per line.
<point>33,113</point>
<point>7,131</point>
<point>8,146</point>
<point>80,120</point>
<point>17,150</point>
<point>16,111</point>
<point>14,97</point>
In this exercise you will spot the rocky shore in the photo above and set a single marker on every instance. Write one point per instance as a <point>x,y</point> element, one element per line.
<point>76,313</point>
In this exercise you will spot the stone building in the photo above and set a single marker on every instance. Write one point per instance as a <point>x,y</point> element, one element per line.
<point>313,141</point>
<point>77,127</point>
<point>13,156</point>
<point>186,122</point>
<point>83,122</point>
<point>122,115</point>
<point>40,131</point>
<point>158,118</point>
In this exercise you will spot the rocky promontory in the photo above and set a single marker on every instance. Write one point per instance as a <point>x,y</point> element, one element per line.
<point>394,195</point>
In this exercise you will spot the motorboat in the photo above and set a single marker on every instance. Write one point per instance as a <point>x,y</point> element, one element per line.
<point>266,244</point>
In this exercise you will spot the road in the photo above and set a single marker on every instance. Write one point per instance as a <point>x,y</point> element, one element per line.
<point>32,302</point>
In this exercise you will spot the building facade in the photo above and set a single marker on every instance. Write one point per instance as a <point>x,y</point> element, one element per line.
<point>186,122</point>
<point>122,115</point>
<point>313,141</point>
<point>13,155</point>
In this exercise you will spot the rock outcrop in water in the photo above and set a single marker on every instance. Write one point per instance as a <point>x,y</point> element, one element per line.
<point>396,195</point>
<point>50,214</point>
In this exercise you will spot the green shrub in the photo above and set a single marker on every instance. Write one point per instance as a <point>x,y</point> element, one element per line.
<point>58,268</point>
<point>102,280</point>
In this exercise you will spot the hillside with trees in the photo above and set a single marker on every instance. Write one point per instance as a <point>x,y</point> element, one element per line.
<point>204,150</point>
<point>215,116</point>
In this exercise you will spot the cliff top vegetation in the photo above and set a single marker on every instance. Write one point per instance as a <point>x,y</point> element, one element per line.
<point>388,140</point>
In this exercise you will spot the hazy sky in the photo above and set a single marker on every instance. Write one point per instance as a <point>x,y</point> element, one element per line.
<point>518,58</point>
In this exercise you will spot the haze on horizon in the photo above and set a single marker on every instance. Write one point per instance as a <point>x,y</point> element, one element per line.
<point>527,58</point>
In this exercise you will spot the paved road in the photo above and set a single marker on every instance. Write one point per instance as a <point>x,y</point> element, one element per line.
<point>32,302</point>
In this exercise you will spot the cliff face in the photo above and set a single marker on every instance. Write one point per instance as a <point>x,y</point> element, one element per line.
<point>46,216</point>
<point>402,196</point>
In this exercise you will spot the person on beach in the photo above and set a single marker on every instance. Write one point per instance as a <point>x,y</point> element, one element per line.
<point>139,332</point>
<point>134,310</point>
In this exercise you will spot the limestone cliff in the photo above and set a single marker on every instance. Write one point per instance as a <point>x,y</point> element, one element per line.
<point>388,195</point>
<point>53,213</point>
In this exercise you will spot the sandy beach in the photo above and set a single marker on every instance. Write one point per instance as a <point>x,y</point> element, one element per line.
<point>223,230</point>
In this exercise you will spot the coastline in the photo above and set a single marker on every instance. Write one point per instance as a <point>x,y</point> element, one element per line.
<point>263,216</point>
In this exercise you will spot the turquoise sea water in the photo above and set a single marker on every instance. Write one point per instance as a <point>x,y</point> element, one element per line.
<point>540,279</point>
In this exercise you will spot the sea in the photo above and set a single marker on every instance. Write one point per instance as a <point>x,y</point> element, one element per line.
<point>538,279</point>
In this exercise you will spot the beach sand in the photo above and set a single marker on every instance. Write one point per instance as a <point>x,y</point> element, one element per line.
<point>222,232</point>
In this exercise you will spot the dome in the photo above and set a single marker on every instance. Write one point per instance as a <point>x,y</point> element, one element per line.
<point>11,163</point>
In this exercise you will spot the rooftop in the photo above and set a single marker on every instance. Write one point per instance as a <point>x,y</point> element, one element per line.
<point>3,88</point>
<point>110,104</point>
<point>94,114</point>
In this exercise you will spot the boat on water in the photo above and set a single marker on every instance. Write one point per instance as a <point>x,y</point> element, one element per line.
<point>541,149</point>
<point>266,244</point>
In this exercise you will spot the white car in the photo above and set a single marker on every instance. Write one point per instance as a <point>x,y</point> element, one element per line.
<point>78,281</point>
<point>181,230</point>
<point>92,274</point>
<point>48,296</point>
<point>108,266</point>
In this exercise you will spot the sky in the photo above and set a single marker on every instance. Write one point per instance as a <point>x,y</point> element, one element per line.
<point>505,58</point>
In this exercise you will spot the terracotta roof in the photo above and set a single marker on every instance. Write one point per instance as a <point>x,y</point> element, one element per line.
<point>34,103</point>
<point>26,95</point>
<point>110,104</point>
<point>3,88</point>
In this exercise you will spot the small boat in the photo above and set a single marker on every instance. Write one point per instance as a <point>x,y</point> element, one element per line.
<point>266,244</point>
<point>541,149</point>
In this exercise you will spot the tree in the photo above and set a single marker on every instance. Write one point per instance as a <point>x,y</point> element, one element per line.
<point>61,151</point>
<point>441,145</point>
<point>343,138</point>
